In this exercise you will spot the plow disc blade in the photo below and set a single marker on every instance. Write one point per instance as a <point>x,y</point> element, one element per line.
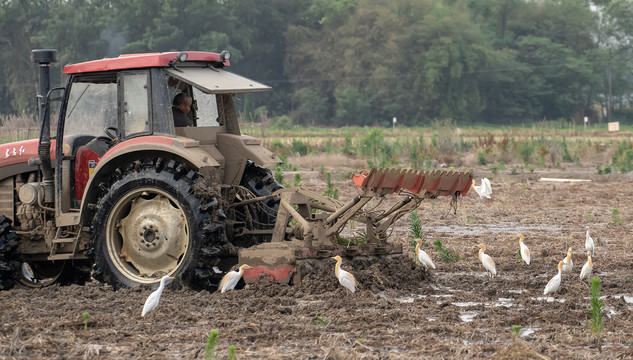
<point>429,183</point>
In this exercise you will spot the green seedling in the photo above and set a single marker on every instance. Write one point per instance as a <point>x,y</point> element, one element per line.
<point>232,352</point>
<point>596,324</point>
<point>617,220</point>
<point>297,179</point>
<point>516,329</point>
<point>322,321</point>
<point>85,315</point>
<point>415,226</point>
<point>209,348</point>
<point>447,255</point>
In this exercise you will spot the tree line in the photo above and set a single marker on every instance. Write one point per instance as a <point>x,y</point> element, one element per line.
<point>356,62</point>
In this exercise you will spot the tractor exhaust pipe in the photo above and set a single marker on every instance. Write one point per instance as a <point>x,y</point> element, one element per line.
<point>44,57</point>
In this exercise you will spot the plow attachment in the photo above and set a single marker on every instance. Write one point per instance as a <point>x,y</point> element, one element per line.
<point>312,226</point>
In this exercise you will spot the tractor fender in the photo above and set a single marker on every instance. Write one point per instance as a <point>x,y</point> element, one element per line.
<point>181,149</point>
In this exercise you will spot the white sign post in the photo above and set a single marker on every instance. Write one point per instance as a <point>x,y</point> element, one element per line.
<point>394,122</point>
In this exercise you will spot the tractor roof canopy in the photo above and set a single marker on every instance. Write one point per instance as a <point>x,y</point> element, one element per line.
<point>201,69</point>
<point>136,61</point>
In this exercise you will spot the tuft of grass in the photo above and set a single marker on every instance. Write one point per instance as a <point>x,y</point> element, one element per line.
<point>519,255</point>
<point>232,352</point>
<point>516,329</point>
<point>297,179</point>
<point>209,348</point>
<point>279,175</point>
<point>85,315</point>
<point>321,321</point>
<point>596,324</point>
<point>615,217</point>
<point>447,255</point>
<point>330,191</point>
<point>589,218</point>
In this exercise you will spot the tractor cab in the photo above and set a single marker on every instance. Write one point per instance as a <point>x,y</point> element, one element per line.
<point>109,102</point>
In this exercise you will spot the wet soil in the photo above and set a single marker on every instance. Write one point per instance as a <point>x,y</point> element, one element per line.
<point>400,311</point>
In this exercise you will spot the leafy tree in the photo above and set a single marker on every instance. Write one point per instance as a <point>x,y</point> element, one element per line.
<point>353,108</point>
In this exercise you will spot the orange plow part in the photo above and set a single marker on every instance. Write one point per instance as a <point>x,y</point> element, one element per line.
<point>429,183</point>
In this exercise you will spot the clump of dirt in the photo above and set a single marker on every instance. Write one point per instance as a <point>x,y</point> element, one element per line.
<point>376,274</point>
<point>518,350</point>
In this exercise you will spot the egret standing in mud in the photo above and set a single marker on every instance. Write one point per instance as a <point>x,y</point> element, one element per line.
<point>345,278</point>
<point>152,300</point>
<point>487,261</point>
<point>231,278</point>
<point>586,269</point>
<point>589,242</point>
<point>525,252</point>
<point>554,282</point>
<point>424,258</point>
<point>568,263</point>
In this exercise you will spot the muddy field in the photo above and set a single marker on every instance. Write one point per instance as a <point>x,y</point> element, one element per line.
<point>401,311</point>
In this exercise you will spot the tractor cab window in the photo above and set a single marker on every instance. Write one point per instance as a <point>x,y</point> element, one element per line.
<point>135,103</point>
<point>204,108</point>
<point>91,107</point>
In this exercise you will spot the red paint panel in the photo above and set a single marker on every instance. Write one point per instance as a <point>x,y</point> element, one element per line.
<point>388,181</point>
<point>135,61</point>
<point>280,274</point>
<point>161,140</point>
<point>21,151</point>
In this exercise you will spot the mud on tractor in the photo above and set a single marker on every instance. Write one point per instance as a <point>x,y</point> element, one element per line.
<point>113,189</point>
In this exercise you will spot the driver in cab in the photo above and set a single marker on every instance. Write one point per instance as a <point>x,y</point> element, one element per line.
<point>180,108</point>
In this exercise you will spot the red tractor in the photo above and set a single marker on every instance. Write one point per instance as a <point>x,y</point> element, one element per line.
<point>112,182</point>
<point>113,189</point>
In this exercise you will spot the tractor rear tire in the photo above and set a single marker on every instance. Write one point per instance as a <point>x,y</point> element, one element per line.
<point>260,181</point>
<point>8,255</point>
<point>153,221</point>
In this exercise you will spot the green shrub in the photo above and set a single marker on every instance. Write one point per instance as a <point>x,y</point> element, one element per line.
<point>525,150</point>
<point>481,158</point>
<point>299,147</point>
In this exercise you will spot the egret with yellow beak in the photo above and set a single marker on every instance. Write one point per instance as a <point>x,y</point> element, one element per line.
<point>345,278</point>
<point>424,258</point>
<point>487,261</point>
<point>231,278</point>
<point>586,269</point>
<point>152,300</point>
<point>554,282</point>
<point>568,263</point>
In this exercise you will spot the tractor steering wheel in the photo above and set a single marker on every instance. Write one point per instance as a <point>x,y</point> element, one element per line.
<point>112,135</point>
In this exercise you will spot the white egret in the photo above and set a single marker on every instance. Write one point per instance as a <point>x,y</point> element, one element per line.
<point>568,263</point>
<point>487,261</point>
<point>586,269</point>
<point>525,252</point>
<point>152,300</point>
<point>554,282</point>
<point>483,190</point>
<point>424,258</point>
<point>231,278</point>
<point>589,242</point>
<point>346,279</point>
